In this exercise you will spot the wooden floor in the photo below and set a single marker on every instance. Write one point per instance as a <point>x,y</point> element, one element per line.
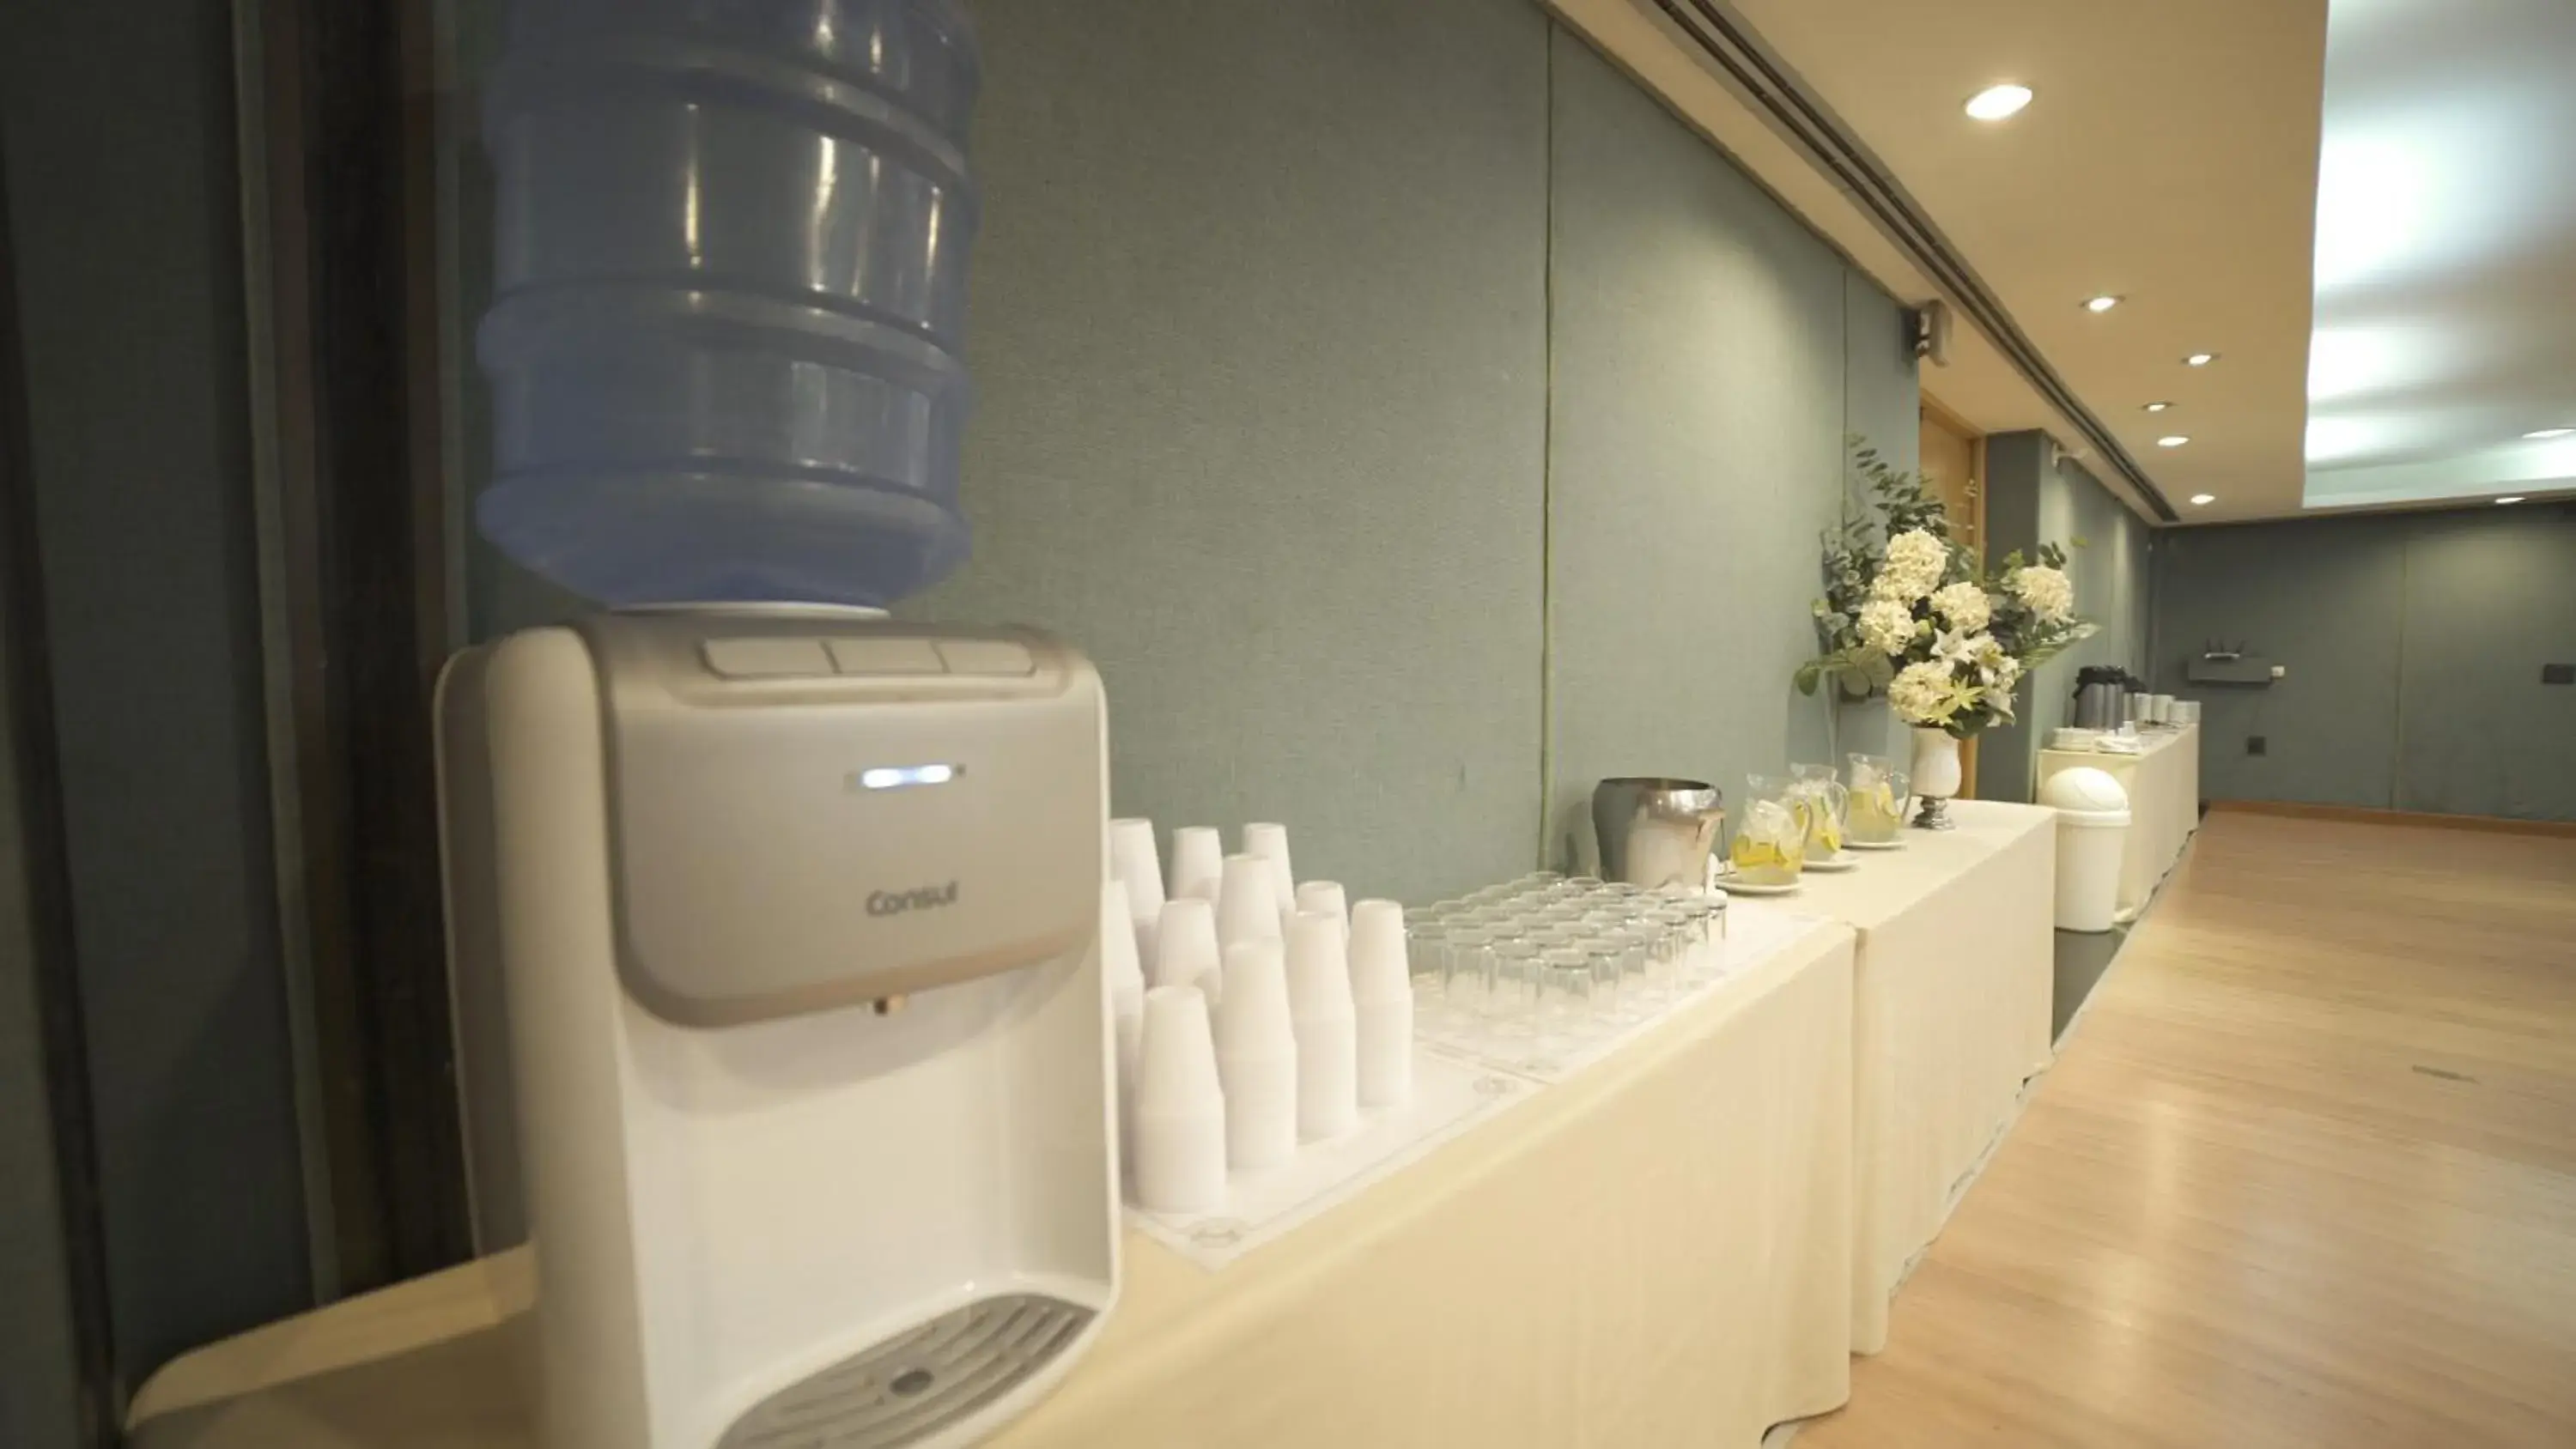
<point>2304,1174</point>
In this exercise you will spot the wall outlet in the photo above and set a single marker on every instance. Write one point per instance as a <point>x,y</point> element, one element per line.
<point>2558,674</point>
<point>2280,671</point>
<point>2258,744</point>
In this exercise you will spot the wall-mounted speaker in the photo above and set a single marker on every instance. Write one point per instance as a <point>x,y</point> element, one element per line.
<point>1928,326</point>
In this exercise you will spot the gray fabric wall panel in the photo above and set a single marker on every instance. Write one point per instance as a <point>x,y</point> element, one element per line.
<point>1259,334</point>
<point>1696,448</point>
<point>2326,598</point>
<point>1883,404</point>
<point>2107,556</point>
<point>2034,496</point>
<point>2414,643</point>
<point>2490,598</point>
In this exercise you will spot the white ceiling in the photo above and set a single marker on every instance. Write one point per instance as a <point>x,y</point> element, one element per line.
<point>2446,252</point>
<point>2171,158</point>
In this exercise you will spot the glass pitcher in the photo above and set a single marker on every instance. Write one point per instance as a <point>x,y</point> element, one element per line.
<point>1877,800</point>
<point>1828,809</point>
<point>1770,845</point>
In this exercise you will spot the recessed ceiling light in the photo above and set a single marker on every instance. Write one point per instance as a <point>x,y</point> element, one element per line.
<point>2103,303</point>
<point>1996,102</point>
<point>2200,359</point>
<point>2510,498</point>
<point>2172,440</point>
<point>2539,433</point>
<point>2157,407</point>
<point>2203,500</point>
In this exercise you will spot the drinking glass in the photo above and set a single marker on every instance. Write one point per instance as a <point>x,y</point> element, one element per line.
<point>1568,988</point>
<point>1626,995</point>
<point>1469,968</point>
<point>1516,983</point>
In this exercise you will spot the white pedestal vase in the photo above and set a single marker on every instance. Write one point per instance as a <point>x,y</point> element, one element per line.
<point>1936,777</point>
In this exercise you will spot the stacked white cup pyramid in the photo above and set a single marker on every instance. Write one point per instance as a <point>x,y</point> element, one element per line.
<point>1254,1013</point>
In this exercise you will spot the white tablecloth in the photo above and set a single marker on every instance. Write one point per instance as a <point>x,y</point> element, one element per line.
<point>2163,781</point>
<point>1950,1016</point>
<point>1653,1252</point>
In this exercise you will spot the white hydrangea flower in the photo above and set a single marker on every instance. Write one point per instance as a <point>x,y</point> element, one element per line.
<point>1887,625</point>
<point>1915,562</point>
<point>2046,591</point>
<point>1922,694</point>
<point>1964,606</point>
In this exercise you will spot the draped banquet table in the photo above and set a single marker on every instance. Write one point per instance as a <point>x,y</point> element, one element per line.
<point>2163,781</point>
<point>1656,1250</point>
<point>1950,1017</point>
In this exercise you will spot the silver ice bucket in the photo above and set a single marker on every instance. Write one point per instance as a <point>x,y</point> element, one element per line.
<point>1656,832</point>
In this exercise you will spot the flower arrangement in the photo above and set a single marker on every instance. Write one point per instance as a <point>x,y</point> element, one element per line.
<point>1909,612</point>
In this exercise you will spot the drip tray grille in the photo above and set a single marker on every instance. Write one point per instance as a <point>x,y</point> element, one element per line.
<point>917,1383</point>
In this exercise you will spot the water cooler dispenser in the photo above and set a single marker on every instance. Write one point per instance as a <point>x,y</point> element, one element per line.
<point>781,1023</point>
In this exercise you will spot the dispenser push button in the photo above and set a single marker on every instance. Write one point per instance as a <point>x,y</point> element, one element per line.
<point>988,657</point>
<point>886,656</point>
<point>766,658</point>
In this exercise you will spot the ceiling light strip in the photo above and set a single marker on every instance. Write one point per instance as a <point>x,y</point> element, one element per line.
<point>1739,53</point>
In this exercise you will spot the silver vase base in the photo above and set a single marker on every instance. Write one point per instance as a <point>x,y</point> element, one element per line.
<point>1934,814</point>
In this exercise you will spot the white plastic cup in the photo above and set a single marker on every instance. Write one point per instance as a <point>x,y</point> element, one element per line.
<point>1247,903</point>
<point>1198,861</point>
<point>1269,840</point>
<point>1256,1055</point>
<point>1180,1107</point>
<point>1138,869</point>
<point>1185,951</point>
<point>1319,1006</point>
<point>1326,896</point>
<point>1382,1001</point>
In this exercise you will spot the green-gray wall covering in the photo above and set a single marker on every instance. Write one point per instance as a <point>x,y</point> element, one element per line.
<point>1696,447</point>
<point>2035,496</point>
<point>1259,333</point>
<point>2414,644</point>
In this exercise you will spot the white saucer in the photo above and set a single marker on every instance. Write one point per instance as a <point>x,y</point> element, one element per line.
<point>1898,844</point>
<point>1835,864</point>
<point>1734,887</point>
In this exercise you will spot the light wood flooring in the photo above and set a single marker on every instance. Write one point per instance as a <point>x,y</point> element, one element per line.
<point>2304,1174</point>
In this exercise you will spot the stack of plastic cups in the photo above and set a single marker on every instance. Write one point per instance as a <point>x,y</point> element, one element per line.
<point>1247,901</point>
<point>1382,1003</point>
<point>1326,896</point>
<point>1198,862</point>
<point>1139,872</point>
<point>1270,841</point>
<point>1257,1057</point>
<point>1179,1112</point>
<point>1185,951</point>
<point>1319,1005</point>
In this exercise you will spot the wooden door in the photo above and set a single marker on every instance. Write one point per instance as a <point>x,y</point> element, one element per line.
<point>1953,457</point>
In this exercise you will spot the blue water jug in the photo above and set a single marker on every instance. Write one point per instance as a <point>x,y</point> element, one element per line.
<point>731,287</point>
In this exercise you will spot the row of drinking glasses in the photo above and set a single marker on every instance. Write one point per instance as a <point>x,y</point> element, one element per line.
<point>1554,950</point>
